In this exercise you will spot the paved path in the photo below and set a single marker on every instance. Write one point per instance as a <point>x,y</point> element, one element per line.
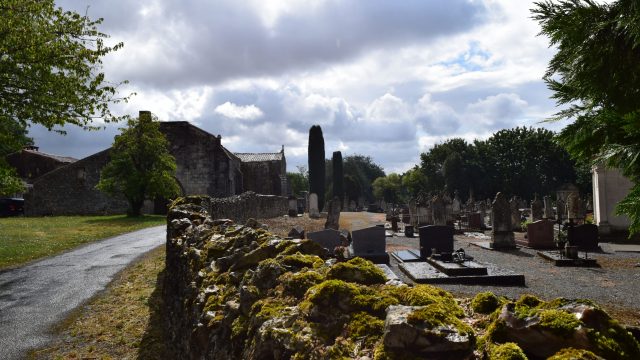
<point>35,297</point>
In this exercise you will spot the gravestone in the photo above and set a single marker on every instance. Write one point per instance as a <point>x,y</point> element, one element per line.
<point>314,211</point>
<point>369,243</point>
<point>539,235</point>
<point>585,237</point>
<point>296,232</point>
<point>536,209</point>
<point>561,210</point>
<point>515,213</point>
<point>352,205</point>
<point>408,230</point>
<point>328,238</point>
<point>423,216</point>
<point>455,204</point>
<point>474,220</point>
<point>482,207</point>
<point>333,215</point>
<point>438,210</point>
<point>293,206</point>
<point>575,210</point>
<point>501,230</point>
<point>548,208</point>
<point>439,237</point>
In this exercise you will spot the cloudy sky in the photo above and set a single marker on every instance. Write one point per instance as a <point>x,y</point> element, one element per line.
<point>383,78</point>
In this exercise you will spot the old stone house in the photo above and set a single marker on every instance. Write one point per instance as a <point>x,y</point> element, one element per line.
<point>30,163</point>
<point>265,173</point>
<point>204,167</point>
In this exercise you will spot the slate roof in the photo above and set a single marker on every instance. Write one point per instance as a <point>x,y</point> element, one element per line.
<point>255,157</point>
<point>62,159</point>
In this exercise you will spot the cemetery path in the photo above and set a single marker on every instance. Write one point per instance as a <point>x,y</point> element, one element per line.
<point>35,297</point>
<point>360,220</point>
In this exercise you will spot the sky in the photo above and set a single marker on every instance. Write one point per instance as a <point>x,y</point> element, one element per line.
<point>387,79</point>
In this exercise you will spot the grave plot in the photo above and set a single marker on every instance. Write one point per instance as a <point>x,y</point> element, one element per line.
<point>370,243</point>
<point>426,273</point>
<point>581,240</point>
<point>559,258</point>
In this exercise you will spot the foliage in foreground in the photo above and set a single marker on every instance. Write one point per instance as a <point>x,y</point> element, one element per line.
<point>595,75</point>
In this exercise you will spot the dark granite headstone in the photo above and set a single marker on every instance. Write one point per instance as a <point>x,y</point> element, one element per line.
<point>585,237</point>
<point>370,243</point>
<point>327,238</point>
<point>439,237</point>
<point>408,230</point>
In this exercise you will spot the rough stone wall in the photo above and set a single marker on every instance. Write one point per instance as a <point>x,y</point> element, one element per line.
<point>248,205</point>
<point>263,177</point>
<point>71,190</point>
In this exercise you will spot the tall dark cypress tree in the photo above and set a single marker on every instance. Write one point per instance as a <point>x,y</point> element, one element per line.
<point>316,163</point>
<point>338,176</point>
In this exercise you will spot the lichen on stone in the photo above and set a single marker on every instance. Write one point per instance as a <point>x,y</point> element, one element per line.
<point>507,351</point>
<point>485,302</point>
<point>357,270</point>
<point>574,354</point>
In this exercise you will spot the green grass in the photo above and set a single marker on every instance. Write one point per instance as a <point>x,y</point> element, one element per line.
<point>23,239</point>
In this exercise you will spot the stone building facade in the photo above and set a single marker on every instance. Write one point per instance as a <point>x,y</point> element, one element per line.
<point>204,167</point>
<point>30,163</point>
<point>609,188</point>
<point>265,173</point>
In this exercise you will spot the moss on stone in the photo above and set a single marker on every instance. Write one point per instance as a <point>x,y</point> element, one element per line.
<point>574,354</point>
<point>267,308</point>
<point>527,306</point>
<point>485,302</point>
<point>496,333</point>
<point>300,261</point>
<point>421,295</point>
<point>559,322</point>
<point>363,325</point>
<point>507,351</point>
<point>375,300</point>
<point>436,315</point>
<point>297,284</point>
<point>357,270</point>
<point>342,349</point>
<point>239,327</point>
<point>613,341</point>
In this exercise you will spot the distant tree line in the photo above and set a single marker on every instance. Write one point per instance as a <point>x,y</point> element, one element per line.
<point>520,161</point>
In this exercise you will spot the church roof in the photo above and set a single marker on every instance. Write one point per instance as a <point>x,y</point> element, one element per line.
<point>256,157</point>
<point>62,159</point>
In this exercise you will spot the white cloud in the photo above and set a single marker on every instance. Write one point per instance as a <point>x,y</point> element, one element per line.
<point>233,111</point>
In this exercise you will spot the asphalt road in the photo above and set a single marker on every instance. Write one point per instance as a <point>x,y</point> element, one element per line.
<point>35,297</point>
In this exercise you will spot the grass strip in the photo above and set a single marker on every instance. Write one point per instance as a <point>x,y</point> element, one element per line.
<point>23,239</point>
<point>123,322</point>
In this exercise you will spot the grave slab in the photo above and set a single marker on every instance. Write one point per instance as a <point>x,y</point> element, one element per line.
<point>458,269</point>
<point>425,273</point>
<point>406,256</point>
<point>388,272</point>
<point>487,246</point>
<point>558,260</point>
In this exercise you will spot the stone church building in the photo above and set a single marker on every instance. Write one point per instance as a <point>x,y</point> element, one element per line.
<point>204,167</point>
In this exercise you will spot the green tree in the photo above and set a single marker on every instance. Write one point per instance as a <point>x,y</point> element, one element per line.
<point>140,166</point>
<point>388,188</point>
<point>364,171</point>
<point>414,181</point>
<point>299,181</point>
<point>316,163</point>
<point>338,175</point>
<point>352,188</point>
<point>595,75</point>
<point>50,72</point>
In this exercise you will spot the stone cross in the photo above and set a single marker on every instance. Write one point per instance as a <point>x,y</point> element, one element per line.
<point>314,212</point>
<point>536,209</point>
<point>501,230</point>
<point>548,208</point>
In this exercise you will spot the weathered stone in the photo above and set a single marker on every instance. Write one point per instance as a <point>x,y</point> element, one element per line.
<point>501,232</point>
<point>314,211</point>
<point>548,208</point>
<point>296,232</point>
<point>438,210</point>
<point>333,215</point>
<point>575,211</point>
<point>561,210</point>
<point>440,342</point>
<point>539,235</point>
<point>515,213</point>
<point>536,209</point>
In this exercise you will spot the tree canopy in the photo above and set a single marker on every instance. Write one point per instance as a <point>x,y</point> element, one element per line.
<point>595,77</point>
<point>50,73</point>
<point>299,180</point>
<point>140,166</point>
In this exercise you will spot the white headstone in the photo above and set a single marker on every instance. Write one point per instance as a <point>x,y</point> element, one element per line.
<point>314,212</point>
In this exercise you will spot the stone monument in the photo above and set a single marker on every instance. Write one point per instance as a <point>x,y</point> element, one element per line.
<point>501,232</point>
<point>536,209</point>
<point>314,211</point>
